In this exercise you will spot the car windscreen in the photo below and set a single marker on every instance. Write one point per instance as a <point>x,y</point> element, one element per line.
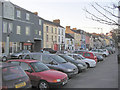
<point>39,67</point>
<point>36,56</point>
<point>26,51</point>
<point>67,57</point>
<point>12,73</point>
<point>58,59</point>
<point>80,56</point>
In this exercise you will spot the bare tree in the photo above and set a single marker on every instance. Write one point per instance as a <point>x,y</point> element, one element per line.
<point>105,19</point>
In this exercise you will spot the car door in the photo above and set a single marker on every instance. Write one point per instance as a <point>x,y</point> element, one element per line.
<point>46,59</point>
<point>29,71</point>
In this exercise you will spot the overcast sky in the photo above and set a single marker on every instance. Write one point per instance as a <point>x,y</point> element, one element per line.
<point>70,12</point>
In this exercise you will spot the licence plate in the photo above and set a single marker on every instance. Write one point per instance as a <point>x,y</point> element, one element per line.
<point>75,72</point>
<point>20,85</point>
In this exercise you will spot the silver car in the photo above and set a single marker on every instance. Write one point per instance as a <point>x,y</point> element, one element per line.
<point>19,54</point>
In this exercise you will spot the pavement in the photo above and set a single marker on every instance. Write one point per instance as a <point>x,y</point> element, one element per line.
<point>104,75</point>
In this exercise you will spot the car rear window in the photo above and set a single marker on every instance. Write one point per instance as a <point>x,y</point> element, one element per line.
<point>11,73</point>
<point>87,54</point>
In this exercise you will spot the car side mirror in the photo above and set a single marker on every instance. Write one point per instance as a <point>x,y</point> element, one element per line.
<point>53,63</point>
<point>30,70</point>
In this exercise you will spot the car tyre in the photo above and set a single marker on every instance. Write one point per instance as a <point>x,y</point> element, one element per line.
<point>43,85</point>
<point>88,66</point>
<point>104,55</point>
<point>4,59</point>
<point>20,57</point>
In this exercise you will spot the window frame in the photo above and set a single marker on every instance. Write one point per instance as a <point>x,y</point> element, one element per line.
<point>18,13</point>
<point>18,30</point>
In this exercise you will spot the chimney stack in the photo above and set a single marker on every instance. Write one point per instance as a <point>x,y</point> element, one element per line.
<point>74,28</point>
<point>57,21</point>
<point>36,13</point>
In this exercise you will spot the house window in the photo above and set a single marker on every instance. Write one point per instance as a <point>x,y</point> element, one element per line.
<point>10,27</point>
<point>55,38</point>
<point>27,30</point>
<point>47,29</point>
<point>18,13</point>
<point>27,16</point>
<point>40,22</point>
<point>4,27</point>
<point>18,30</point>
<point>59,39</point>
<point>62,39</point>
<point>59,31</point>
<point>52,38</point>
<point>36,31</point>
<point>62,32</point>
<point>47,38</point>
<point>55,31</point>
<point>52,29</point>
<point>39,32</point>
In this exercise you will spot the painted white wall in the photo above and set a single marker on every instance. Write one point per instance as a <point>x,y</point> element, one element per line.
<point>61,35</point>
<point>70,45</point>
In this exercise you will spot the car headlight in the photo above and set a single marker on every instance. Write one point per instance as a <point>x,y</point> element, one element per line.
<point>57,80</point>
<point>70,70</point>
<point>80,65</point>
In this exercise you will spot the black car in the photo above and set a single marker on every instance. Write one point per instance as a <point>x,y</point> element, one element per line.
<point>13,76</point>
<point>50,50</point>
<point>80,65</point>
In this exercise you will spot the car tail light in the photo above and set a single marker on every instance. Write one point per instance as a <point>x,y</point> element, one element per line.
<point>107,52</point>
<point>95,57</point>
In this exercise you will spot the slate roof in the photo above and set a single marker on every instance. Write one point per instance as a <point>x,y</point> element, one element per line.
<point>68,36</point>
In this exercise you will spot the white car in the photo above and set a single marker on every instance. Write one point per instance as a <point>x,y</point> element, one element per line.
<point>100,52</point>
<point>89,62</point>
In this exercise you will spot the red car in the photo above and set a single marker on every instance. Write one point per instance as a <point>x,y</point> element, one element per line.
<point>40,75</point>
<point>89,55</point>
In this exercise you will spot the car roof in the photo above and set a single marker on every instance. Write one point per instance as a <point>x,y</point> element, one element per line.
<point>24,60</point>
<point>41,53</point>
<point>4,64</point>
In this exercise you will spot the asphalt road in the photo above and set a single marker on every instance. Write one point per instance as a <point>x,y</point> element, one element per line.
<point>104,75</point>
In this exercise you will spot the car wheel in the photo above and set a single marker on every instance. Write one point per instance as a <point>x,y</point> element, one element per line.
<point>43,85</point>
<point>104,55</point>
<point>4,59</point>
<point>88,66</point>
<point>20,57</point>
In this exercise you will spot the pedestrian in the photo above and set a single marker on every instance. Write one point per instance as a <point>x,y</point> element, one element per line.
<point>41,50</point>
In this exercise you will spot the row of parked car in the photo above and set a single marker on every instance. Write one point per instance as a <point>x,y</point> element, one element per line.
<point>46,70</point>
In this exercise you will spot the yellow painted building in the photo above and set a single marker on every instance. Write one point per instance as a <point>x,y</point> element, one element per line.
<point>50,34</point>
